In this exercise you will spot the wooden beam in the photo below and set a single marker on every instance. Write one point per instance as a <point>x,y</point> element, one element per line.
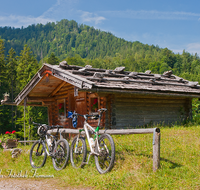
<point>8,103</point>
<point>46,103</point>
<point>113,131</point>
<point>57,88</point>
<point>40,99</point>
<point>28,141</point>
<point>156,151</point>
<point>39,105</point>
<point>144,92</point>
<point>61,96</point>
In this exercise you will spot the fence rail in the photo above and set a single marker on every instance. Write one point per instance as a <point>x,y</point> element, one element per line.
<point>154,131</point>
<point>28,141</point>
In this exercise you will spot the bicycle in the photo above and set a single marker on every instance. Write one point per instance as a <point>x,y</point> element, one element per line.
<point>57,149</point>
<point>102,147</point>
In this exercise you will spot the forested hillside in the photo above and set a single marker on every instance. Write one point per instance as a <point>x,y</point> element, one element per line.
<point>69,39</point>
<point>22,52</point>
<point>65,38</point>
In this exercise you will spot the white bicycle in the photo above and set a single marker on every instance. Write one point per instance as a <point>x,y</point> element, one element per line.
<point>101,146</point>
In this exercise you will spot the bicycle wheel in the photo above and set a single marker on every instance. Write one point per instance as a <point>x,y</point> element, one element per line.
<point>105,161</point>
<point>61,154</point>
<point>78,152</point>
<point>38,155</point>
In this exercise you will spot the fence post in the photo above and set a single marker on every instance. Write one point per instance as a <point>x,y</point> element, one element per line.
<point>156,149</point>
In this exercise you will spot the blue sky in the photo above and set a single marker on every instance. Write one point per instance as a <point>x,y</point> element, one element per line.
<point>174,24</point>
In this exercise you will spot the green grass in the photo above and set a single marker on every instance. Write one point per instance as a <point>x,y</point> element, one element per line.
<point>179,164</point>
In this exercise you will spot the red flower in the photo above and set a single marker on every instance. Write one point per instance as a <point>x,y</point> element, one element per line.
<point>60,105</point>
<point>7,132</point>
<point>95,101</point>
<point>13,132</point>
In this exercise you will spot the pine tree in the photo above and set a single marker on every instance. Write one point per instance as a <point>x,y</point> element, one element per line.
<point>4,110</point>
<point>2,69</point>
<point>27,67</point>
<point>11,73</point>
<point>53,60</point>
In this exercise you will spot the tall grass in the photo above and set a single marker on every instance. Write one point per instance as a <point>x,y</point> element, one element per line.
<point>179,164</point>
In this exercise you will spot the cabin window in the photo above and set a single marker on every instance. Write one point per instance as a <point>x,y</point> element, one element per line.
<point>61,108</point>
<point>94,104</point>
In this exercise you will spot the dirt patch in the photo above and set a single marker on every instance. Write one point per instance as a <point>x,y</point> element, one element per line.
<point>33,184</point>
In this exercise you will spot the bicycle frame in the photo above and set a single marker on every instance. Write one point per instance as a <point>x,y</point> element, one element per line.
<point>44,144</point>
<point>86,127</point>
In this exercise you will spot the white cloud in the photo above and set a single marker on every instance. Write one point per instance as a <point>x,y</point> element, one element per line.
<point>180,51</point>
<point>90,17</point>
<point>19,21</point>
<point>60,10</point>
<point>193,48</point>
<point>153,14</point>
<point>67,9</point>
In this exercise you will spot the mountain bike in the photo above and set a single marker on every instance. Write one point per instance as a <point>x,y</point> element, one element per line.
<point>57,149</point>
<point>102,147</point>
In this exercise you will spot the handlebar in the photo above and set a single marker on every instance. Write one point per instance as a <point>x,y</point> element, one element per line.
<point>74,115</point>
<point>96,115</point>
<point>56,126</point>
<point>49,127</point>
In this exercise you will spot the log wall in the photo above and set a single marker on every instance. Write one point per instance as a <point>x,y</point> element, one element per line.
<point>123,111</point>
<point>133,111</point>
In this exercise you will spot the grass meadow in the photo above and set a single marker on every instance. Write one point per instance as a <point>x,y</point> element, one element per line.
<point>179,164</point>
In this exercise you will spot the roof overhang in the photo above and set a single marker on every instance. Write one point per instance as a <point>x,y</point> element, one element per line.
<point>42,88</point>
<point>47,81</point>
<point>144,92</point>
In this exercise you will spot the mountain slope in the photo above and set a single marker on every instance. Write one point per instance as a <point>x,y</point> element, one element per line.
<point>67,38</point>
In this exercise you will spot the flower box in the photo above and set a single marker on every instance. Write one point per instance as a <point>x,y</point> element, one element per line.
<point>10,143</point>
<point>8,140</point>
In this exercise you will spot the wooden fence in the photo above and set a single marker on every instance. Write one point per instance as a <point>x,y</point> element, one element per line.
<point>154,131</point>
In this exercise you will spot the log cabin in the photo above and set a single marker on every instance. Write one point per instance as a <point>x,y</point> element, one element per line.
<point>132,99</point>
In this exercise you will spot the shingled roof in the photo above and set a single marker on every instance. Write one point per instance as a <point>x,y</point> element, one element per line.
<point>120,79</point>
<point>117,80</point>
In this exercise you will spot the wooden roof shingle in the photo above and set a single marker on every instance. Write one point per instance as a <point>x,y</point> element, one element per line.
<point>117,80</point>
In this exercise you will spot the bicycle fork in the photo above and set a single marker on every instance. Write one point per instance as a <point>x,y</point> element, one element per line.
<point>76,150</point>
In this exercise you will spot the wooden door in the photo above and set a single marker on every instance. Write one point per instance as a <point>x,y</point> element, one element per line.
<point>81,107</point>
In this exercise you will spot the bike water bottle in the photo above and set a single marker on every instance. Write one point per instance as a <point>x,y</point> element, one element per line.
<point>49,142</point>
<point>92,143</point>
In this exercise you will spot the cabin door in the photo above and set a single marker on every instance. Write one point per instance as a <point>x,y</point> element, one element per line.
<point>81,107</point>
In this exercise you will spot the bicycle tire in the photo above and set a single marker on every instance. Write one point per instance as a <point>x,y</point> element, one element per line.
<point>61,154</point>
<point>78,154</point>
<point>105,161</point>
<point>38,155</point>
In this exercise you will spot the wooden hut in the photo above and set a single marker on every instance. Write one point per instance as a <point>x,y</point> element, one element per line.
<point>132,99</point>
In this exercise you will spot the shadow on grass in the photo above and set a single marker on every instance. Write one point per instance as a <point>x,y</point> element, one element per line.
<point>173,164</point>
